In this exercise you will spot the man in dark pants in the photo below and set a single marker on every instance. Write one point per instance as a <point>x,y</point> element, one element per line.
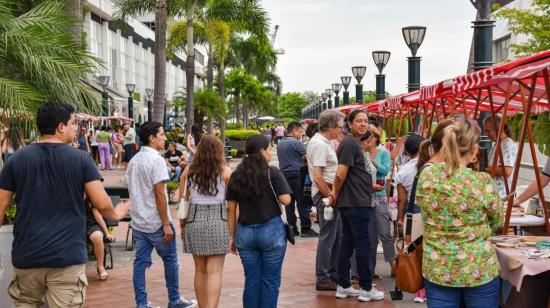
<point>352,190</point>
<point>291,152</point>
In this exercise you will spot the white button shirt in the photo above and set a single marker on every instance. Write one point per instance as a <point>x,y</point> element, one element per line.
<point>146,169</point>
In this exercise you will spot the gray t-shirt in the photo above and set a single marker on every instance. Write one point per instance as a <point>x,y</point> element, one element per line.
<point>320,153</point>
<point>146,169</point>
<point>546,169</point>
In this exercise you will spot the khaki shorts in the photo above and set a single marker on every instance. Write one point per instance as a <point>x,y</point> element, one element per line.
<point>62,287</point>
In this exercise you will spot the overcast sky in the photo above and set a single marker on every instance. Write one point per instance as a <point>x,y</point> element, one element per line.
<point>323,39</point>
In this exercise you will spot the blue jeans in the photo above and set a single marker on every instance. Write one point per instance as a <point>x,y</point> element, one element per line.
<point>145,242</point>
<point>262,250</point>
<point>355,236</point>
<point>483,296</point>
<point>174,175</point>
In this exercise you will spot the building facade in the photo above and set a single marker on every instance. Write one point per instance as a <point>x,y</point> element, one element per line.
<point>503,38</point>
<point>128,56</point>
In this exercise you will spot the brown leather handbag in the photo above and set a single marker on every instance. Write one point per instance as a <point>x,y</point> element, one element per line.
<point>408,275</point>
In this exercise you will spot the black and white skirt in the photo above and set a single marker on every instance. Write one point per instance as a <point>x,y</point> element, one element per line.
<point>206,230</point>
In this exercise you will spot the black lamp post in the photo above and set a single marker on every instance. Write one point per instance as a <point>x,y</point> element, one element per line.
<point>483,35</point>
<point>104,82</point>
<point>336,88</point>
<point>380,58</point>
<point>149,93</point>
<point>329,93</point>
<point>130,87</point>
<point>324,95</point>
<point>414,36</point>
<point>358,73</point>
<point>345,82</point>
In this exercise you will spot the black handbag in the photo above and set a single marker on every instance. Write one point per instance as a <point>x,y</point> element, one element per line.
<point>288,228</point>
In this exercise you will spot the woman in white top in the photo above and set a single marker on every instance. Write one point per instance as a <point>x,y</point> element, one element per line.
<point>193,140</point>
<point>205,232</point>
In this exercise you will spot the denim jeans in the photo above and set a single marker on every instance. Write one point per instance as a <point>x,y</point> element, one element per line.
<point>355,236</point>
<point>145,242</point>
<point>483,296</point>
<point>174,175</point>
<point>328,246</point>
<point>262,250</point>
<point>293,180</point>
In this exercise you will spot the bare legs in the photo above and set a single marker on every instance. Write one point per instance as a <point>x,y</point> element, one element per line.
<point>208,279</point>
<point>97,240</point>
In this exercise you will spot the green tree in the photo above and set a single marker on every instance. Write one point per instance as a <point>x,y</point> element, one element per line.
<point>535,23</point>
<point>291,104</point>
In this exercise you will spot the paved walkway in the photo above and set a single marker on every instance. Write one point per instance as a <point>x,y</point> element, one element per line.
<point>298,278</point>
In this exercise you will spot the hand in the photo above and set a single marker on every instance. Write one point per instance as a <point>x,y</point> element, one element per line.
<point>110,237</point>
<point>402,140</point>
<point>173,168</point>
<point>377,187</point>
<point>332,196</point>
<point>233,247</point>
<point>168,234</point>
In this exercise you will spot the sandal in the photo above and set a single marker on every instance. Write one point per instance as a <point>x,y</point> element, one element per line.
<point>102,273</point>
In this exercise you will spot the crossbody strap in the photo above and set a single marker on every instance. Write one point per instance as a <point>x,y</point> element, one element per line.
<point>412,199</point>
<point>283,213</point>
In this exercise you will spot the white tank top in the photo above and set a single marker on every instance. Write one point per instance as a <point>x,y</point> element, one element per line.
<point>197,198</point>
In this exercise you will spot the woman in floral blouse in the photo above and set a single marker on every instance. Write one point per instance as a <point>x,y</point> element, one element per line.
<point>461,209</point>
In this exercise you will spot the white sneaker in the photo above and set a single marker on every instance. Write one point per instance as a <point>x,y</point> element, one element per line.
<point>418,299</point>
<point>344,293</point>
<point>372,295</point>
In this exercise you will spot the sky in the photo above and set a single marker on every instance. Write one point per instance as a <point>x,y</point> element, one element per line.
<point>323,39</point>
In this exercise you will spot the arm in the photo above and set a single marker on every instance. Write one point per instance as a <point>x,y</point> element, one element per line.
<point>162,208</point>
<point>498,171</point>
<point>401,200</point>
<point>5,199</point>
<point>320,182</point>
<point>341,173</point>
<point>531,190</point>
<point>101,201</point>
<point>385,165</point>
<point>129,136</point>
<point>232,223</point>
<point>398,148</point>
<point>494,205</point>
<point>188,145</point>
<point>285,199</point>
<point>168,164</point>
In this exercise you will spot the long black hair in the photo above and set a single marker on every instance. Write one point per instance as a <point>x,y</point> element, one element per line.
<point>252,171</point>
<point>196,133</point>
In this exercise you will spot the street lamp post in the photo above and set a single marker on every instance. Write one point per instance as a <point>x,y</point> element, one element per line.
<point>358,73</point>
<point>104,82</point>
<point>414,36</point>
<point>324,96</point>
<point>130,87</point>
<point>149,93</point>
<point>165,117</point>
<point>380,58</point>
<point>345,82</point>
<point>329,93</point>
<point>336,88</point>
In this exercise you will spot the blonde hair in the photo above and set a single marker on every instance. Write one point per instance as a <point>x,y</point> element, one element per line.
<point>375,133</point>
<point>458,140</point>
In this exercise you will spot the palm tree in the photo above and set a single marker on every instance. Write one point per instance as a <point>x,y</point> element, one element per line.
<point>39,61</point>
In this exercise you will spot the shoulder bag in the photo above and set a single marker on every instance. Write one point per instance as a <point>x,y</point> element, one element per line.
<point>409,258</point>
<point>288,228</point>
<point>183,208</point>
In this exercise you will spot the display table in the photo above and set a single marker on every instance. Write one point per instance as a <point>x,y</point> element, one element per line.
<point>529,278</point>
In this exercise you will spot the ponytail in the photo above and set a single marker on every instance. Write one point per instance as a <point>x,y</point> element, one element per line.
<point>424,153</point>
<point>449,151</point>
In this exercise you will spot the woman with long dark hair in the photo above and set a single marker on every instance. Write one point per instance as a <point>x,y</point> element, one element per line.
<point>259,235</point>
<point>205,233</point>
<point>193,140</point>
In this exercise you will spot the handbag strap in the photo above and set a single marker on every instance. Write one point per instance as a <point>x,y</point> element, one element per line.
<point>283,213</point>
<point>412,199</point>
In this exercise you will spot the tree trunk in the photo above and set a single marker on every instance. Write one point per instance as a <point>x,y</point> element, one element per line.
<point>73,9</point>
<point>159,98</point>
<point>190,66</point>
<point>237,108</point>
<point>245,113</point>
<point>221,87</point>
<point>210,67</point>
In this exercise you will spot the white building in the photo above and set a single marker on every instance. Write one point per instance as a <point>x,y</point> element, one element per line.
<point>128,54</point>
<point>503,37</point>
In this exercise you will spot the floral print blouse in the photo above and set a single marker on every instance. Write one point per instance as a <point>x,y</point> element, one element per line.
<point>460,212</point>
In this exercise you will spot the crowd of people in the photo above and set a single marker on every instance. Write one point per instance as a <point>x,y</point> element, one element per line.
<point>340,166</point>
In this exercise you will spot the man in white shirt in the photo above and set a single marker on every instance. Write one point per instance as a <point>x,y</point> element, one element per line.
<point>322,163</point>
<point>151,221</point>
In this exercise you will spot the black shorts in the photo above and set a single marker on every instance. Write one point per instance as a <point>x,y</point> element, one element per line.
<point>91,229</point>
<point>129,152</point>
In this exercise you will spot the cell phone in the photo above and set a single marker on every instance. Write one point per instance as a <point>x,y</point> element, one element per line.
<point>510,195</point>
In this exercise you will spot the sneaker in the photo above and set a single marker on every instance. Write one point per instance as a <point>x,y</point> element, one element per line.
<point>309,233</point>
<point>149,305</point>
<point>344,293</point>
<point>372,295</point>
<point>296,232</point>
<point>183,303</point>
<point>326,285</point>
<point>420,296</point>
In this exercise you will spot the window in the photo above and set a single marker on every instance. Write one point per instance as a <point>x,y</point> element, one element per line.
<point>199,57</point>
<point>502,49</point>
